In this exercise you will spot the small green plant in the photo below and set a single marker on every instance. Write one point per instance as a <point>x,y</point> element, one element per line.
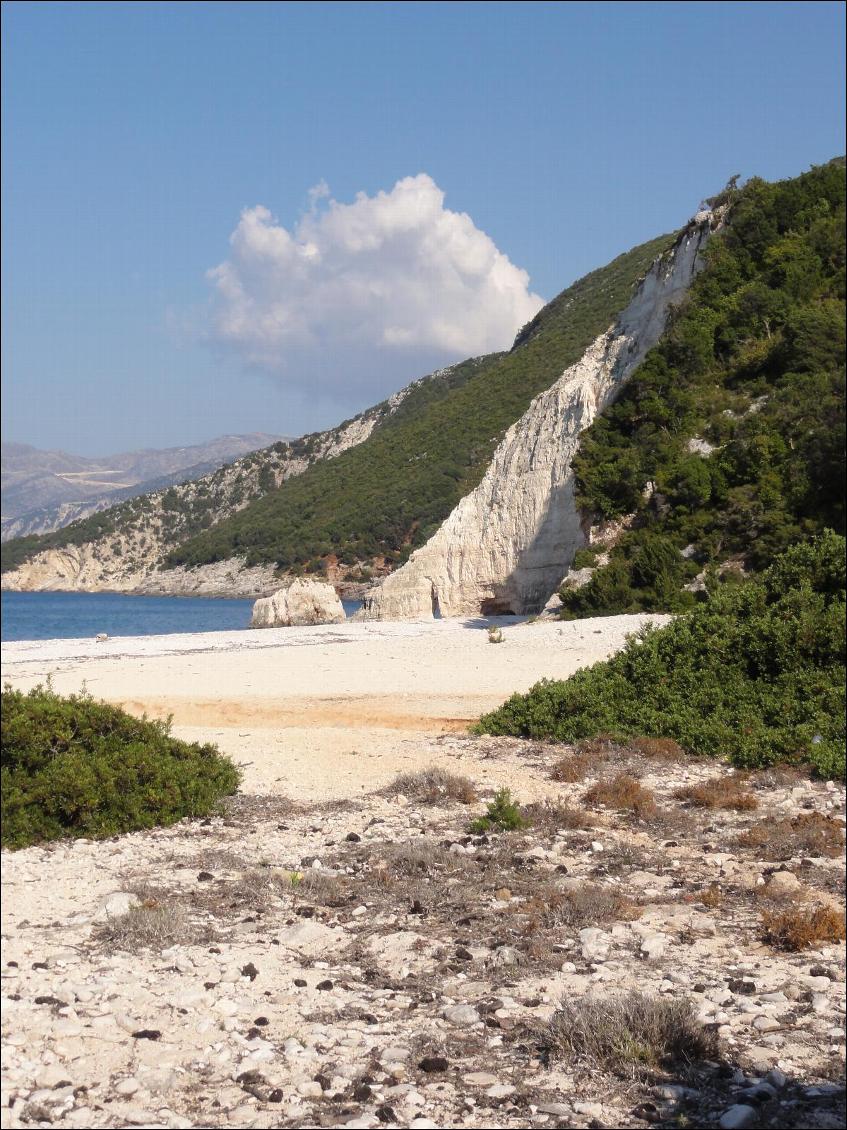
<point>585,558</point>
<point>502,815</point>
<point>495,635</point>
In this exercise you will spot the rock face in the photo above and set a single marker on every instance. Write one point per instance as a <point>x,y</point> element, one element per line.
<point>508,543</point>
<point>301,602</point>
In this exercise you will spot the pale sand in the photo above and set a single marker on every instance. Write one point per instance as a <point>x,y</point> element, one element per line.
<point>325,712</point>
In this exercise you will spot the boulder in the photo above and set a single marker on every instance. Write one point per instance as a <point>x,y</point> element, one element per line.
<point>301,602</point>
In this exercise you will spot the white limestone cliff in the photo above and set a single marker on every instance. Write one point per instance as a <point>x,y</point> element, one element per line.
<point>507,544</point>
<point>303,602</point>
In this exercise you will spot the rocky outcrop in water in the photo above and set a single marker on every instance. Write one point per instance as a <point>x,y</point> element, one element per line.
<point>300,603</point>
<point>508,543</point>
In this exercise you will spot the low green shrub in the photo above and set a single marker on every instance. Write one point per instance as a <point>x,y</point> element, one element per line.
<point>756,675</point>
<point>75,767</point>
<point>502,815</point>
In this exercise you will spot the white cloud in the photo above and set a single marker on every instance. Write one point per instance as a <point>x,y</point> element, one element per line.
<point>359,295</point>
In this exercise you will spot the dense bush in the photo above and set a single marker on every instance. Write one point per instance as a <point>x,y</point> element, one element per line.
<point>756,675</point>
<point>76,767</point>
<point>728,441</point>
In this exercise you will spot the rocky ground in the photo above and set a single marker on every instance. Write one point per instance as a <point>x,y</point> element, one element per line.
<point>375,962</point>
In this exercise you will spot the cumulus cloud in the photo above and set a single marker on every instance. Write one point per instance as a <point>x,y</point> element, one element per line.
<point>357,291</point>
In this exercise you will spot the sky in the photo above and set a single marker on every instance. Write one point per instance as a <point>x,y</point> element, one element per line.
<point>224,218</point>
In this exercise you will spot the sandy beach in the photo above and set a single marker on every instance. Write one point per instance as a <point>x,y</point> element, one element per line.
<point>323,712</point>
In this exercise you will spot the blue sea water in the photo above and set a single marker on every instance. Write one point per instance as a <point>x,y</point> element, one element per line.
<point>75,615</point>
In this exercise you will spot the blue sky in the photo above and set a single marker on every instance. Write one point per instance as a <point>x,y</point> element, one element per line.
<point>135,135</point>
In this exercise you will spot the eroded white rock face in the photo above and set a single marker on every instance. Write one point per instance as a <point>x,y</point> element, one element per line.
<point>507,544</point>
<point>301,602</point>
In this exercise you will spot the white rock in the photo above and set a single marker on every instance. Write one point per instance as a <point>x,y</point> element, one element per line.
<point>783,883</point>
<point>118,903</point>
<point>301,602</point>
<point>461,1015</point>
<point>653,946</point>
<point>738,1117</point>
<point>595,944</point>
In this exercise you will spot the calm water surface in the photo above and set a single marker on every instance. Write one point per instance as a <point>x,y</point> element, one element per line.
<point>73,615</point>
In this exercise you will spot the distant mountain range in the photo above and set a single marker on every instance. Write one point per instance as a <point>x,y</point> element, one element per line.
<point>46,490</point>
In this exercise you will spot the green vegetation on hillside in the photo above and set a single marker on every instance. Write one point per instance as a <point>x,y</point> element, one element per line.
<point>729,440</point>
<point>388,495</point>
<point>185,511</point>
<point>756,675</point>
<point>74,767</point>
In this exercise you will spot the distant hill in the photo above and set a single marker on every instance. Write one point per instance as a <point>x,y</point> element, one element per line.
<point>45,490</point>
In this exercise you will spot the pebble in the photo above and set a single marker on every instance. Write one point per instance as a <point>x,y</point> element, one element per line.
<point>461,1015</point>
<point>738,1117</point>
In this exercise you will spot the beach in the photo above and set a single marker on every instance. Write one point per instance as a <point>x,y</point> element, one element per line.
<point>324,712</point>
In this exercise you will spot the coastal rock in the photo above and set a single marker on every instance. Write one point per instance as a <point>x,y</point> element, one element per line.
<point>506,546</point>
<point>300,603</point>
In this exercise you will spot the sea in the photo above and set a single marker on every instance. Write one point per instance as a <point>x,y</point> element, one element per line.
<point>82,615</point>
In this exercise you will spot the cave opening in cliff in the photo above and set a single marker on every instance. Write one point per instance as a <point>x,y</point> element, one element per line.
<point>496,606</point>
<point>436,606</point>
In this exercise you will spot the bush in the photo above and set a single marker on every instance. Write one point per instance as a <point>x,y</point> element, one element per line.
<point>807,834</point>
<point>795,930</point>
<point>75,767</point>
<point>625,794</point>
<point>502,815</point>
<point>756,675</point>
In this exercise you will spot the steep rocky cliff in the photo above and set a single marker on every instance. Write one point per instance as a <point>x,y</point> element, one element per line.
<point>508,543</point>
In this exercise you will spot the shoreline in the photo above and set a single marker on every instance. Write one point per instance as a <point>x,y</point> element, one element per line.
<point>325,711</point>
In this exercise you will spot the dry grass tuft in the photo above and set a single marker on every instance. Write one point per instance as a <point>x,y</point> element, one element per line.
<point>711,896</point>
<point>599,747</point>
<point>809,834</point>
<point>631,1035</point>
<point>155,924</point>
<point>433,786</point>
<point>569,770</point>
<point>798,929</point>
<point>660,749</point>
<point>726,793</point>
<point>624,793</point>
<point>322,888</point>
<point>256,889</point>
<point>417,857</point>
<point>587,905</point>
<point>247,808</point>
<point>551,817</point>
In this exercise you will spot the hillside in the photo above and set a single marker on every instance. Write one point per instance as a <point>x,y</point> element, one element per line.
<point>44,490</point>
<point>122,547</point>
<point>368,505</point>
<point>728,444</point>
<point>388,496</point>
